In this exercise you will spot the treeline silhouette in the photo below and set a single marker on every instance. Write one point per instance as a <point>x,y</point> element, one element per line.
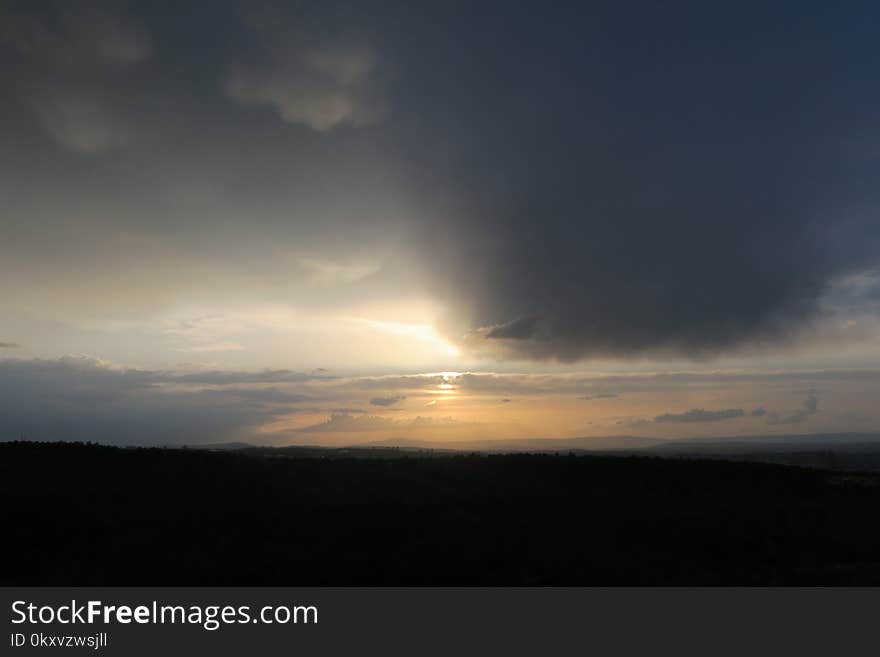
<point>83,514</point>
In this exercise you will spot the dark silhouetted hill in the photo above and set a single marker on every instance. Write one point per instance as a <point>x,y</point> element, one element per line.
<point>92,515</point>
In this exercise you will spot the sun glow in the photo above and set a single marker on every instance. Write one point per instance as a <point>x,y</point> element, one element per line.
<point>418,332</point>
<point>447,386</point>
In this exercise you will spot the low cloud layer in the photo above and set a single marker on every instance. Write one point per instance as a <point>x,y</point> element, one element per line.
<point>84,399</point>
<point>81,398</point>
<point>387,401</point>
<point>701,415</point>
<point>809,407</point>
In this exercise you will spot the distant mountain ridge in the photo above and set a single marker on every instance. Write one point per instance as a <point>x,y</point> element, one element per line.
<point>710,446</point>
<point>642,444</point>
<point>601,443</point>
<point>783,443</point>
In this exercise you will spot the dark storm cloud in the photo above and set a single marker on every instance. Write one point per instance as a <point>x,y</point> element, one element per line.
<point>582,180</point>
<point>619,182</point>
<point>857,294</point>
<point>700,415</point>
<point>519,329</point>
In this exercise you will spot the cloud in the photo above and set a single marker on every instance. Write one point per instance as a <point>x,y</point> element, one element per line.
<point>78,59</point>
<point>220,377</point>
<point>80,398</point>
<point>9,345</point>
<point>262,395</point>
<point>700,415</point>
<point>794,417</point>
<point>79,123</point>
<point>523,328</point>
<point>811,403</point>
<point>600,395</point>
<point>547,215</point>
<point>215,347</point>
<point>318,84</point>
<point>84,398</point>
<point>328,273</point>
<point>573,228</point>
<point>759,412</point>
<point>78,36</point>
<point>809,407</point>
<point>345,422</point>
<point>387,401</point>
<point>109,36</point>
<point>516,384</point>
<point>633,422</point>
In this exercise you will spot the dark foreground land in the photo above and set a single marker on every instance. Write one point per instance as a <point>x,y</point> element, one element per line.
<point>89,515</point>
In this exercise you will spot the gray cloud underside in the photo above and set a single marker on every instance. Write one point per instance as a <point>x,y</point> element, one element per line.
<point>809,407</point>
<point>700,415</point>
<point>387,401</point>
<point>79,399</point>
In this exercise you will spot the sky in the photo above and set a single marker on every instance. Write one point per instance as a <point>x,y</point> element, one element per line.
<point>341,223</point>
